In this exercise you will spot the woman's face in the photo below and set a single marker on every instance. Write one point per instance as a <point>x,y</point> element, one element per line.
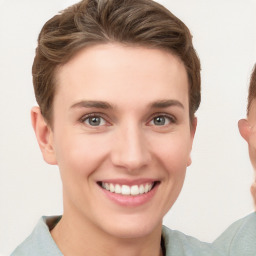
<point>122,137</point>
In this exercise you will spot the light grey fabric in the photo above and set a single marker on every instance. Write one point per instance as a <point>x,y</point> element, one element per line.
<point>238,240</point>
<point>40,242</point>
<point>179,244</point>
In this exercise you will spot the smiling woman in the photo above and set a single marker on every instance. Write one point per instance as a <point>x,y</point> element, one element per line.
<point>118,84</point>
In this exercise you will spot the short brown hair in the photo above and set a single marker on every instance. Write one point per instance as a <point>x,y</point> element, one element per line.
<point>252,89</point>
<point>134,22</point>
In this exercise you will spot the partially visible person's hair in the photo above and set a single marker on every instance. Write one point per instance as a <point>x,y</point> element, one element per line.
<point>130,22</point>
<point>252,89</point>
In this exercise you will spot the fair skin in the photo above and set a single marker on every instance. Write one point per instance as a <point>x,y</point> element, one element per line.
<point>120,123</point>
<point>247,128</point>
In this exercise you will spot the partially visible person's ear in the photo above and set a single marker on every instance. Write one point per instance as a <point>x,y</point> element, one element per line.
<point>244,128</point>
<point>44,135</point>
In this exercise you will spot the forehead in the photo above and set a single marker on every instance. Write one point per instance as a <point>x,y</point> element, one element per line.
<point>118,73</point>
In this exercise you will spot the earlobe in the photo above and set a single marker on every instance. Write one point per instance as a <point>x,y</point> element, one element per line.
<point>244,128</point>
<point>44,135</point>
<point>189,161</point>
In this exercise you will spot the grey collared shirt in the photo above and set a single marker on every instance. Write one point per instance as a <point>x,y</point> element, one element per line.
<point>238,240</point>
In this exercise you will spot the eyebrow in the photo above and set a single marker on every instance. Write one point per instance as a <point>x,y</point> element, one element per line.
<point>166,104</point>
<point>106,105</point>
<point>92,104</point>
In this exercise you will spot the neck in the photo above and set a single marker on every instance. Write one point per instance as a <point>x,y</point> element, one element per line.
<point>76,236</point>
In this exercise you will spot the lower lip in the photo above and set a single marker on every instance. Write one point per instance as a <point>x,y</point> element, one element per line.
<point>131,201</point>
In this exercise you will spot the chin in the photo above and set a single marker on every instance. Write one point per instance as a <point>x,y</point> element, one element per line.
<point>131,229</point>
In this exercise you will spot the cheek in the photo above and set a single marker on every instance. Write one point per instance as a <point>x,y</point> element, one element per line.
<point>174,153</point>
<point>79,155</point>
<point>174,158</point>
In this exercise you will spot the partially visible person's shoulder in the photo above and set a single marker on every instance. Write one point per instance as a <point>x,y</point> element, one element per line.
<point>40,241</point>
<point>239,238</point>
<point>179,244</point>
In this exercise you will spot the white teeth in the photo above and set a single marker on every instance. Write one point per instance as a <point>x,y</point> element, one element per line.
<point>128,190</point>
<point>111,188</point>
<point>135,190</point>
<point>146,188</point>
<point>142,189</point>
<point>118,189</point>
<point>107,186</point>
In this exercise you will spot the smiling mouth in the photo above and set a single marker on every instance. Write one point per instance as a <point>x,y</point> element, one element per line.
<point>127,190</point>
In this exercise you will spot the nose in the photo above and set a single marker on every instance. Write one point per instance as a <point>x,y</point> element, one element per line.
<point>130,149</point>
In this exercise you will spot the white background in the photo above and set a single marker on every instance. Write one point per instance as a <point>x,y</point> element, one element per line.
<point>216,190</point>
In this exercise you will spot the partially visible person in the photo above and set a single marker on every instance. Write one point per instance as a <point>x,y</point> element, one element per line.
<point>247,127</point>
<point>240,237</point>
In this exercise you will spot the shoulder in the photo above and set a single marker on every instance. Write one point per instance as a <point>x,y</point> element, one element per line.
<point>239,238</point>
<point>179,244</point>
<point>40,241</point>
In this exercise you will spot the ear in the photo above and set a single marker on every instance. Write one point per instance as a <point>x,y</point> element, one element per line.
<point>192,132</point>
<point>244,128</point>
<point>44,135</point>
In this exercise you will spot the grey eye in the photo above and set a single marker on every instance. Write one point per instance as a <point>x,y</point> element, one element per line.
<point>160,120</point>
<point>95,121</point>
